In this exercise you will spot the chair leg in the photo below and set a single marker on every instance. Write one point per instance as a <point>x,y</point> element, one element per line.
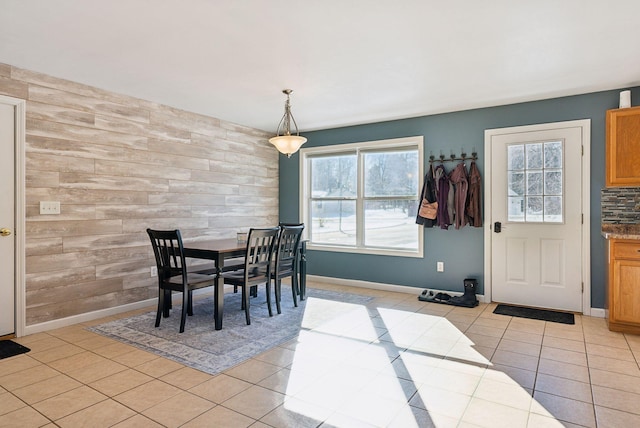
<point>190,303</point>
<point>245,303</point>
<point>167,303</point>
<point>294,282</point>
<point>294,287</point>
<point>185,309</point>
<point>268,286</point>
<point>160,306</point>
<point>278,288</point>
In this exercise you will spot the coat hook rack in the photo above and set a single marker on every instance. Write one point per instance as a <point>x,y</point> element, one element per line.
<point>452,158</point>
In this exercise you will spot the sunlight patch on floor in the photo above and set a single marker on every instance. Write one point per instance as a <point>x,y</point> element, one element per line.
<point>392,367</point>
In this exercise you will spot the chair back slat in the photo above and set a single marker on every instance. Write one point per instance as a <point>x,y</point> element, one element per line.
<point>260,247</point>
<point>287,248</point>
<point>168,251</point>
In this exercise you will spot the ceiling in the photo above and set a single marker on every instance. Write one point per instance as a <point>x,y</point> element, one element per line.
<point>348,61</point>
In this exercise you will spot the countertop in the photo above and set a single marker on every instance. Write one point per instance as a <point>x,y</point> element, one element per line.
<point>621,231</point>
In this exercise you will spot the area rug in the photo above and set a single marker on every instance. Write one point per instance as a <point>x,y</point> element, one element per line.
<point>211,351</point>
<point>9,348</point>
<point>536,314</point>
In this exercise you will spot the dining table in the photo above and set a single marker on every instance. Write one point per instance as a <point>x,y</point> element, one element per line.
<point>221,251</point>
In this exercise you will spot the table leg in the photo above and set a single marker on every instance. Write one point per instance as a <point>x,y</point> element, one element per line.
<point>218,298</point>
<point>303,270</point>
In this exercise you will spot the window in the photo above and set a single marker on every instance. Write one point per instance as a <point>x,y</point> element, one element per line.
<point>535,183</point>
<point>363,197</point>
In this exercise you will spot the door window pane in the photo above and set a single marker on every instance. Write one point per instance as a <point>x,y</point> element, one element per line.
<point>534,208</point>
<point>553,182</point>
<point>553,208</point>
<point>516,183</point>
<point>515,157</point>
<point>553,154</point>
<point>539,197</point>
<point>534,155</point>
<point>534,182</point>
<point>515,208</point>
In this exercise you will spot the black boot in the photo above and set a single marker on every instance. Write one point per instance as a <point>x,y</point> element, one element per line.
<point>468,299</point>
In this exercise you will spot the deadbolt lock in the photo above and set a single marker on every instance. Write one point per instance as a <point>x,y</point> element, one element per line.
<point>5,232</point>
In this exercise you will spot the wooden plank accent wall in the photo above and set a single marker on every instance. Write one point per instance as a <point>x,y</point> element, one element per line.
<point>118,165</point>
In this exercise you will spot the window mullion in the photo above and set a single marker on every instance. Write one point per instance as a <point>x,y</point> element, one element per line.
<point>360,202</point>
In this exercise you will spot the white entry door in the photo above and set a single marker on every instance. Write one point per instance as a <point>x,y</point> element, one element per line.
<point>536,217</point>
<point>7,219</point>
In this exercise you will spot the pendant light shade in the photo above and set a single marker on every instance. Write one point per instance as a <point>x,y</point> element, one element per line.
<point>284,141</point>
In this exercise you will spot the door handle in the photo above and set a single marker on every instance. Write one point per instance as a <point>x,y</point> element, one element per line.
<point>5,232</point>
<point>497,227</point>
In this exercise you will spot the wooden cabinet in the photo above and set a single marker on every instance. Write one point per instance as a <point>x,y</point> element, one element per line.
<point>624,285</point>
<point>623,147</point>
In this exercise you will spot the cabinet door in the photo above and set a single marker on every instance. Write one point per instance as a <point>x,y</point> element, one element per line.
<point>624,305</point>
<point>623,147</point>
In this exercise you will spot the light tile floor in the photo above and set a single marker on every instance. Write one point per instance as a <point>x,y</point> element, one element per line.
<point>395,362</point>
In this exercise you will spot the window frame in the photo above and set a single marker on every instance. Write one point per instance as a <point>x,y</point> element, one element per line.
<point>416,143</point>
<point>543,169</point>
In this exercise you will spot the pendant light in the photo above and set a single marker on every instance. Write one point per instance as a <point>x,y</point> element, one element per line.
<point>284,141</point>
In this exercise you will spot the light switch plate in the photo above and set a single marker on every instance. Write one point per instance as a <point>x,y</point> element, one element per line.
<point>49,207</point>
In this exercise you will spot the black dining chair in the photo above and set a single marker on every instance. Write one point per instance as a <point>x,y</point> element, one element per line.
<point>173,274</point>
<point>286,260</point>
<point>257,266</point>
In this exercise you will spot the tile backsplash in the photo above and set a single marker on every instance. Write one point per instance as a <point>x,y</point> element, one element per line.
<point>621,205</point>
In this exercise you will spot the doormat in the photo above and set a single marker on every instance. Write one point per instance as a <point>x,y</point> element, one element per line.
<point>9,348</point>
<point>535,314</point>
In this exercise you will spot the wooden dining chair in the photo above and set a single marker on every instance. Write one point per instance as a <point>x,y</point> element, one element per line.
<point>257,266</point>
<point>173,274</point>
<point>285,262</point>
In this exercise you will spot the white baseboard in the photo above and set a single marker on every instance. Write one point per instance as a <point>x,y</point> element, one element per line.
<point>380,286</point>
<point>101,313</point>
<point>595,312</point>
<point>88,316</point>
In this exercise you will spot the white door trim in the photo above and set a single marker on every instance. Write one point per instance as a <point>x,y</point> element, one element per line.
<point>585,125</point>
<point>20,214</point>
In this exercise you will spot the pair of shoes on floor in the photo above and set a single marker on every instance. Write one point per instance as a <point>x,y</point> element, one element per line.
<point>467,300</point>
<point>442,298</point>
<point>430,296</point>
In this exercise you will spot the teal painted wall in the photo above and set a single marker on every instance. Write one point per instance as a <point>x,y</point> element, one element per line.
<point>461,250</point>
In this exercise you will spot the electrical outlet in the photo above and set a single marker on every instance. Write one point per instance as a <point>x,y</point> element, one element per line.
<point>440,266</point>
<point>49,207</point>
<point>154,271</point>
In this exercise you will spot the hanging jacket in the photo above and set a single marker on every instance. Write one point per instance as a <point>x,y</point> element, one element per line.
<point>451,203</point>
<point>459,179</point>
<point>442,195</point>
<point>474,204</point>
<point>428,193</point>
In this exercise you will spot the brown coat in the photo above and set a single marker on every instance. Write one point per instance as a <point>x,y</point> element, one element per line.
<point>459,178</point>
<point>474,205</point>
